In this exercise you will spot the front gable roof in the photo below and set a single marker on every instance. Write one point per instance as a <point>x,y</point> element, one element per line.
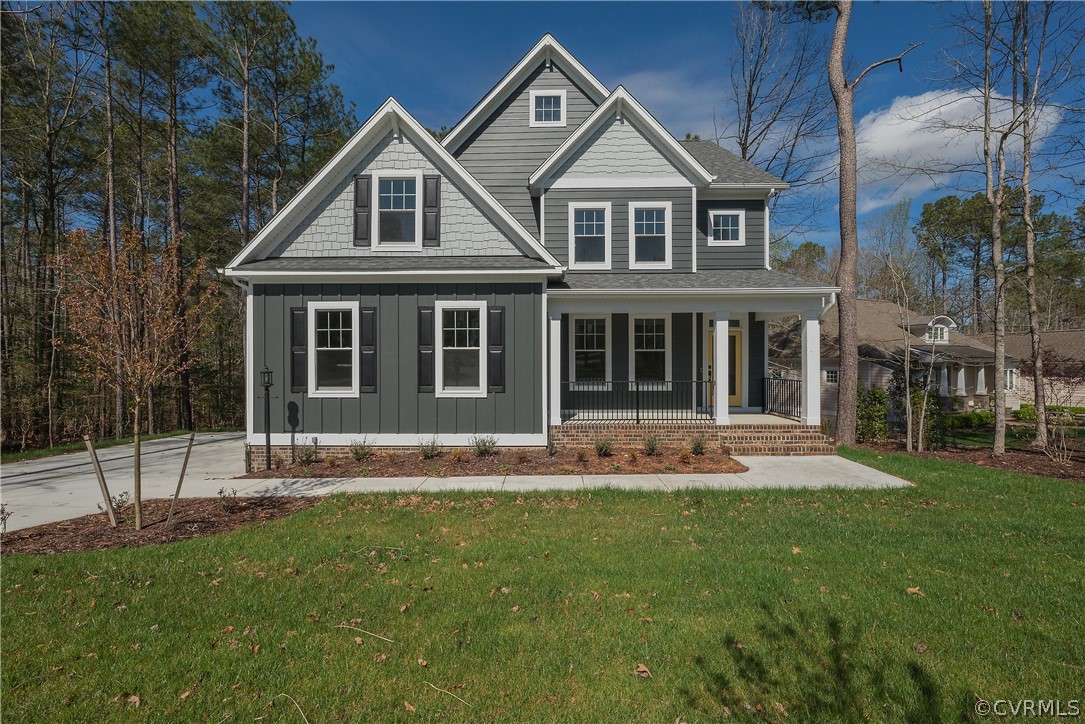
<point>391,115</point>
<point>547,49</point>
<point>621,101</point>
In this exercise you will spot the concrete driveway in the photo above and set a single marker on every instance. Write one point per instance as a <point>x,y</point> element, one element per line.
<point>64,486</point>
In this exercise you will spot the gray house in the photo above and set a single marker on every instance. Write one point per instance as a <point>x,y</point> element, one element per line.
<point>558,262</point>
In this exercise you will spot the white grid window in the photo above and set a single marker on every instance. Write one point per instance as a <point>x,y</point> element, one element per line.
<point>397,204</point>
<point>650,349</point>
<point>832,376</point>
<point>461,340</point>
<point>590,349</point>
<point>548,109</point>
<point>334,349</point>
<point>650,235</point>
<point>589,236</point>
<point>727,228</point>
<point>937,333</point>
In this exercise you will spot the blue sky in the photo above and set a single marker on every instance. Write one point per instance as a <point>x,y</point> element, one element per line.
<point>438,59</point>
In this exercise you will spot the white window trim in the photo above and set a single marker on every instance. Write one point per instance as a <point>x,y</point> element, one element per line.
<point>607,341</point>
<point>1010,379</point>
<point>833,372</point>
<point>310,352</point>
<point>741,213</point>
<point>374,206</point>
<point>590,266</point>
<point>546,124</point>
<point>633,263</point>
<point>945,334</point>
<point>668,348</point>
<point>439,343</point>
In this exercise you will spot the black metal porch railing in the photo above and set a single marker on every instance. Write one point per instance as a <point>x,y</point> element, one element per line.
<point>636,402</point>
<point>783,397</point>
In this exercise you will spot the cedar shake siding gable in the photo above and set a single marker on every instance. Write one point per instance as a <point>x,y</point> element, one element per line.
<point>327,230</point>
<point>505,150</point>
<point>617,149</point>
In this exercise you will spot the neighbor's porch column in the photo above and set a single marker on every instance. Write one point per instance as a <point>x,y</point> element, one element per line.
<point>981,380</point>
<point>811,367</point>
<point>554,319</point>
<point>722,327</point>
<point>943,382</point>
<point>962,384</point>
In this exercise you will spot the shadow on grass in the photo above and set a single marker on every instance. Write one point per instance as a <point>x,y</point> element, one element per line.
<point>818,669</point>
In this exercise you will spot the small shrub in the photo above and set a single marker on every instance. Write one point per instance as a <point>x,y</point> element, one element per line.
<point>633,457</point>
<point>1027,413</point>
<point>459,456</point>
<point>684,457</point>
<point>566,470</point>
<point>872,413</point>
<point>651,445</point>
<point>5,513</point>
<point>330,461</point>
<point>522,457</point>
<point>364,472</point>
<point>434,471</point>
<point>307,454</point>
<point>616,467</point>
<point>581,456</point>
<point>551,448</point>
<point>504,468</point>
<point>668,468</point>
<point>430,449</point>
<point>118,501</point>
<point>361,450</point>
<point>228,499</point>
<point>604,447</point>
<point>971,420</point>
<point>698,444</point>
<point>484,445</point>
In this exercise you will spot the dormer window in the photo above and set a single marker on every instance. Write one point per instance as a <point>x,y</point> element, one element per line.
<point>547,109</point>
<point>938,333</point>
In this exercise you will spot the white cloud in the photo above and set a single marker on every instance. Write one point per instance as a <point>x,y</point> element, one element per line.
<point>680,101</point>
<point>922,142</point>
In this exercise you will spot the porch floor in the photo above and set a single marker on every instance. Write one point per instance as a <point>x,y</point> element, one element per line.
<point>626,416</point>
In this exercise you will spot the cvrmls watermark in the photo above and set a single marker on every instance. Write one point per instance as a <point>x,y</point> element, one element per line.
<point>1029,707</point>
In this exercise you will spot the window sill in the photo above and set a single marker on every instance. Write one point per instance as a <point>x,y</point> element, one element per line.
<point>473,393</point>
<point>316,394</point>
<point>650,266</point>
<point>605,266</point>
<point>727,243</point>
<point>397,246</point>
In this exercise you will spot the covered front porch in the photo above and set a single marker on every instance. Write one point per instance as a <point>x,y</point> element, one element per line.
<point>635,359</point>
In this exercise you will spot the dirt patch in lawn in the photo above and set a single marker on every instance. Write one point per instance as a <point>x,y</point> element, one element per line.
<point>1017,460</point>
<point>194,517</point>
<point>506,461</point>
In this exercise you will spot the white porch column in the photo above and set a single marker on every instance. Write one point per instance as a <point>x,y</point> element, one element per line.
<point>981,380</point>
<point>962,384</point>
<point>811,367</point>
<point>722,327</point>
<point>943,381</point>
<point>554,319</point>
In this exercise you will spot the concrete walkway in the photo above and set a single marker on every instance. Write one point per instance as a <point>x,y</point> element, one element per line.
<point>64,486</point>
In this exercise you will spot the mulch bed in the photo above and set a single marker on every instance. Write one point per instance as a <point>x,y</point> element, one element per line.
<point>194,517</point>
<point>525,461</point>
<point>1018,460</point>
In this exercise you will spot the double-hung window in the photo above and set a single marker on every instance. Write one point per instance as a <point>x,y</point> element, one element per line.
<point>591,357</point>
<point>333,349</point>
<point>547,108</point>
<point>461,349</point>
<point>399,220</point>
<point>650,235</point>
<point>651,354</point>
<point>589,236</point>
<point>1011,380</point>
<point>937,333</point>
<point>727,227</point>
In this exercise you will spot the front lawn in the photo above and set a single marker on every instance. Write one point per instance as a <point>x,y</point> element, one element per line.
<point>812,605</point>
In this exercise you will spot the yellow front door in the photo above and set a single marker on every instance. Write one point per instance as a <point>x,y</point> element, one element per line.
<point>734,366</point>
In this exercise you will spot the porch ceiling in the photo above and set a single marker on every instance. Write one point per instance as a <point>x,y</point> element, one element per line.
<point>712,281</point>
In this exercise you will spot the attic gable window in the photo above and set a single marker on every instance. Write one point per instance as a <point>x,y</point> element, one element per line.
<point>398,204</point>
<point>547,109</point>
<point>937,333</point>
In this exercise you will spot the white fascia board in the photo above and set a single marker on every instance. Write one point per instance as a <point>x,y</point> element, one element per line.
<point>547,48</point>
<point>398,276</point>
<point>621,98</point>
<point>392,111</point>
<point>714,292</point>
<point>767,187</point>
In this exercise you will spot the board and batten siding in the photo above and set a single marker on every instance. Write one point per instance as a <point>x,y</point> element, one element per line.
<point>749,256</point>
<point>397,406</point>
<point>328,230</point>
<point>557,222</point>
<point>504,151</point>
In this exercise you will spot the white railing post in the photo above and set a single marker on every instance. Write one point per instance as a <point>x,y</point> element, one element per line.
<point>811,367</point>
<point>722,326</point>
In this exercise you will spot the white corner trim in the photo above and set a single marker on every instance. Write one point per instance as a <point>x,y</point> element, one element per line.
<point>668,332</point>
<point>630,108</point>
<point>532,95</point>
<point>695,218</point>
<point>607,342</point>
<point>633,207</point>
<point>548,48</point>
<point>347,157</point>
<point>355,351</point>
<point>374,210</point>
<point>439,352</point>
<point>394,439</point>
<point>590,266</point>
<point>740,213</point>
<point>768,236</point>
<point>250,359</point>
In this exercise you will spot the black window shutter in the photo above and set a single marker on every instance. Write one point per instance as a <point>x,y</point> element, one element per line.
<point>495,348</point>
<point>368,348</point>
<point>431,211</point>
<point>426,361</point>
<point>361,209</point>
<point>299,345</point>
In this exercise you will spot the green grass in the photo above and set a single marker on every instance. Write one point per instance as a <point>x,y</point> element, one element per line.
<point>45,452</point>
<point>540,608</point>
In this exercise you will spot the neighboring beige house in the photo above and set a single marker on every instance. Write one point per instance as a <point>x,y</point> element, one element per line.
<point>1069,343</point>
<point>963,365</point>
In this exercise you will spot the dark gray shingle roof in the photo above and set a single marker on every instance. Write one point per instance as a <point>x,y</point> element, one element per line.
<point>726,166</point>
<point>394,263</point>
<point>677,281</point>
